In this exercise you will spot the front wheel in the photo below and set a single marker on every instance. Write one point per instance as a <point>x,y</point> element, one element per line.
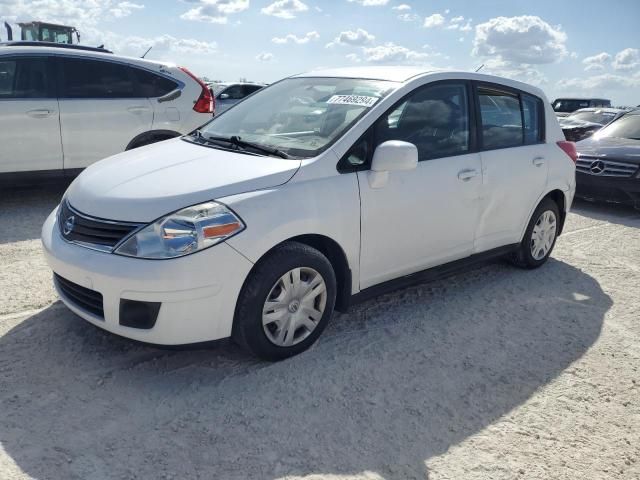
<point>285,303</point>
<point>540,236</point>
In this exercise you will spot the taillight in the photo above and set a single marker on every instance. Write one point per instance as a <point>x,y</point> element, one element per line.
<point>205,102</point>
<point>570,149</point>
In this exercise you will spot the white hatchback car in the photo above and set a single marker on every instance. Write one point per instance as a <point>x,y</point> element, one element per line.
<point>64,107</point>
<point>315,191</point>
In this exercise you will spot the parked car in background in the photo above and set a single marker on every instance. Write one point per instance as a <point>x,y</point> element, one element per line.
<point>586,121</point>
<point>65,107</point>
<point>564,106</point>
<point>608,166</point>
<point>228,94</point>
<point>315,191</point>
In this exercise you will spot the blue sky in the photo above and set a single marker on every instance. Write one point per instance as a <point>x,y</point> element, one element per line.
<point>568,47</point>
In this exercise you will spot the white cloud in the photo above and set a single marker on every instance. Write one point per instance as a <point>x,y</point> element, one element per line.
<point>466,27</point>
<point>403,7</point>
<point>458,19</point>
<point>353,57</point>
<point>124,9</point>
<point>69,12</point>
<point>356,38</point>
<point>599,83</point>
<point>517,71</point>
<point>370,3</point>
<point>286,9</point>
<point>525,40</point>
<point>596,62</point>
<point>627,59</point>
<point>295,39</point>
<point>390,52</point>
<point>409,17</point>
<point>214,11</point>
<point>435,20</point>
<point>264,57</point>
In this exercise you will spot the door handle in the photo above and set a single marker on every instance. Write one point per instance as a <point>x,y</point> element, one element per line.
<point>41,113</point>
<point>467,174</point>
<point>538,161</point>
<point>138,109</point>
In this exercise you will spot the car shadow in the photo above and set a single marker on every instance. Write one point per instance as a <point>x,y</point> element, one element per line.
<point>608,212</point>
<point>399,380</point>
<point>26,209</point>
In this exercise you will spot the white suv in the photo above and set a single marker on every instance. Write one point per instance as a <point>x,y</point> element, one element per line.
<point>63,108</point>
<point>316,191</point>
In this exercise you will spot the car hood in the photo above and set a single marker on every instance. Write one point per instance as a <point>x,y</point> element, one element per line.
<point>144,184</point>
<point>610,147</point>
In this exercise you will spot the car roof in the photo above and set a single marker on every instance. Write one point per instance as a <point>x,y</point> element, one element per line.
<point>67,51</point>
<point>402,74</point>
<point>582,98</point>
<point>601,109</point>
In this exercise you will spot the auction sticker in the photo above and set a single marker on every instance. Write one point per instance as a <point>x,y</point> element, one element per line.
<point>359,100</point>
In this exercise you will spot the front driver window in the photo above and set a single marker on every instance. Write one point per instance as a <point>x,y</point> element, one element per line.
<point>434,118</point>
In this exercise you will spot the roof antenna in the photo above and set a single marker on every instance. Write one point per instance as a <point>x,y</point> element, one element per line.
<point>148,50</point>
<point>479,68</point>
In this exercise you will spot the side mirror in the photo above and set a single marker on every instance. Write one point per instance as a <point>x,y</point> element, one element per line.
<point>394,155</point>
<point>224,96</point>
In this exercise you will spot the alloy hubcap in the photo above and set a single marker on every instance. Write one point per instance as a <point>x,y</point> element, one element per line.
<point>543,235</point>
<point>294,306</point>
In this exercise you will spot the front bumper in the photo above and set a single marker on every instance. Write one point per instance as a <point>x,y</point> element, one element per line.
<point>608,189</point>
<point>197,293</point>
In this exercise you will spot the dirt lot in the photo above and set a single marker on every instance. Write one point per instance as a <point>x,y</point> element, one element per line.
<point>498,373</point>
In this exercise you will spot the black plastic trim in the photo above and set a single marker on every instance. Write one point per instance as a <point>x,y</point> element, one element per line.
<point>433,273</point>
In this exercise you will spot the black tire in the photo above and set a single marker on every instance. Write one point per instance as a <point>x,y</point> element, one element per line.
<point>523,256</point>
<point>248,330</point>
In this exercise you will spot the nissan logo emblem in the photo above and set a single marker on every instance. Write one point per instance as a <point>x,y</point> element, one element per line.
<point>69,223</point>
<point>597,167</point>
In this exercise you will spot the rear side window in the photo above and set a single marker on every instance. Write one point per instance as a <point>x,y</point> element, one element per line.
<point>501,119</point>
<point>150,85</point>
<point>25,78</point>
<point>533,112</point>
<point>234,92</point>
<point>249,89</point>
<point>96,79</point>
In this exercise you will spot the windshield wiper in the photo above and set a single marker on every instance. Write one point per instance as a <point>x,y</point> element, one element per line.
<point>238,142</point>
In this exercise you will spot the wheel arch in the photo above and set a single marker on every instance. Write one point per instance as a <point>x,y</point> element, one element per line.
<point>336,256</point>
<point>156,135</point>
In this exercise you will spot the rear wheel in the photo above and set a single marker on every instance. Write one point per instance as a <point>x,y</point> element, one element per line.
<point>286,302</point>
<point>540,236</point>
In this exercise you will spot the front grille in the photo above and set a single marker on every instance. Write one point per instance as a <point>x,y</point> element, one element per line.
<point>92,232</point>
<point>81,297</point>
<point>605,168</point>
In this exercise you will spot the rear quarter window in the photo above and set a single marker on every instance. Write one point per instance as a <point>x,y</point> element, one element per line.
<point>151,85</point>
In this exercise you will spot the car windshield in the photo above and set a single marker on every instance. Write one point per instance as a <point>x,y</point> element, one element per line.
<point>625,127</point>
<point>597,116</point>
<point>299,116</point>
<point>568,105</point>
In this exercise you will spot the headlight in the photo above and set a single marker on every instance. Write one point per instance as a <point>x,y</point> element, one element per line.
<point>181,233</point>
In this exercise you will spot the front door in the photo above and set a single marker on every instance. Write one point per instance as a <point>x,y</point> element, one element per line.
<point>29,115</point>
<point>427,216</point>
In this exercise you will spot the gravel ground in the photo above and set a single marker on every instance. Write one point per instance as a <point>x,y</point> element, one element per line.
<point>497,373</point>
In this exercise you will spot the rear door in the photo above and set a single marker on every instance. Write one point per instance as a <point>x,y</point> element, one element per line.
<point>101,109</point>
<point>29,115</point>
<point>514,164</point>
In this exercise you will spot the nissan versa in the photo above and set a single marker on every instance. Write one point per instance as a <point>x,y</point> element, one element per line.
<point>316,190</point>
